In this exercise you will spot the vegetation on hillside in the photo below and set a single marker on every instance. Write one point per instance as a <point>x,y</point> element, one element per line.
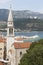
<point>29,24</point>
<point>34,55</point>
<point>26,24</point>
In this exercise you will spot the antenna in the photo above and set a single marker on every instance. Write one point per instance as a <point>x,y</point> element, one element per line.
<point>10,6</point>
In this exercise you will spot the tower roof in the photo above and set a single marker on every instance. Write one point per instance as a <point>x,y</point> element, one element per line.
<point>10,17</point>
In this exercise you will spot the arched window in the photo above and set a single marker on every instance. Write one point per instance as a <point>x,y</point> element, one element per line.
<point>11,31</point>
<point>20,53</point>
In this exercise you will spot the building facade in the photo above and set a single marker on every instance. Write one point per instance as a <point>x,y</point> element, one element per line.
<point>12,50</point>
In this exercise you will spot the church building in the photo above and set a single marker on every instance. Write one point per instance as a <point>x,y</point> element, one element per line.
<point>11,49</point>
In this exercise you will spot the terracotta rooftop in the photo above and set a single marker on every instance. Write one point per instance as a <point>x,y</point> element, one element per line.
<point>18,45</point>
<point>2,40</point>
<point>19,38</point>
<point>1,63</point>
<point>22,45</point>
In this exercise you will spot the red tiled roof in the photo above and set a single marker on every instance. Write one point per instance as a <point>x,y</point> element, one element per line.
<point>22,45</point>
<point>2,40</point>
<point>17,44</point>
<point>19,38</point>
<point>1,63</point>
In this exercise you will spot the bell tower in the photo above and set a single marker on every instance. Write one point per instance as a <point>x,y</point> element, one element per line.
<point>10,32</point>
<point>10,25</point>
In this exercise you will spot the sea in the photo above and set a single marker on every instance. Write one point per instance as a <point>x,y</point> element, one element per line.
<point>29,34</point>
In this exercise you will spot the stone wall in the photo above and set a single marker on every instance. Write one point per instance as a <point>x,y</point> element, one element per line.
<point>18,54</point>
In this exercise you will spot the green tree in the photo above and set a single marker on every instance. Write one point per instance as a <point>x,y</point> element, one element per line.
<point>34,55</point>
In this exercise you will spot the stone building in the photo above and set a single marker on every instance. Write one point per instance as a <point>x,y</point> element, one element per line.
<point>2,47</point>
<point>11,50</point>
<point>20,49</point>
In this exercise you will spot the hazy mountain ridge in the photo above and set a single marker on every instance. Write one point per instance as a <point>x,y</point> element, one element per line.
<point>20,14</point>
<point>24,20</point>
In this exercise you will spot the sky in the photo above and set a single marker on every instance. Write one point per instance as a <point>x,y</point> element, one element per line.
<point>33,5</point>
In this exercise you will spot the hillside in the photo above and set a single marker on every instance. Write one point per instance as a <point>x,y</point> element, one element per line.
<point>20,14</point>
<point>25,24</point>
<point>23,20</point>
<point>29,24</point>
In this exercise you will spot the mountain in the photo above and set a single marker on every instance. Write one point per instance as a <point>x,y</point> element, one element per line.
<point>20,14</point>
<point>24,20</point>
<point>28,14</point>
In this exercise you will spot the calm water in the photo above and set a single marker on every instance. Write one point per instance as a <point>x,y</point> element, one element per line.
<point>39,33</point>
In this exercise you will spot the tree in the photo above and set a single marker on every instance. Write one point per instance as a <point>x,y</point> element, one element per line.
<point>34,55</point>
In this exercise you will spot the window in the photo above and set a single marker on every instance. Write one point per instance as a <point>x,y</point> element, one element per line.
<point>10,22</point>
<point>11,31</point>
<point>0,57</point>
<point>20,53</point>
<point>0,54</point>
<point>0,48</point>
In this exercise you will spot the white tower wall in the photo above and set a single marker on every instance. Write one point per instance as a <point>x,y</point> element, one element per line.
<point>10,38</point>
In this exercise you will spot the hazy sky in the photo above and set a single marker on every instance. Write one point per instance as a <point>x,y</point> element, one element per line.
<point>33,5</point>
